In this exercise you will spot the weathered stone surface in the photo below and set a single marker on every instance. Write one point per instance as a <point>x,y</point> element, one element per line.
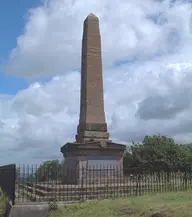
<point>93,135</point>
<point>92,139</point>
<point>92,115</point>
<point>100,127</point>
<point>93,148</point>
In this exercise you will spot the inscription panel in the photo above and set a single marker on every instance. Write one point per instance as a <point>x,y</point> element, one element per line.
<point>102,162</point>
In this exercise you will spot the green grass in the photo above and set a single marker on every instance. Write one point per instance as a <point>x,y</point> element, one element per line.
<point>178,204</point>
<point>3,200</point>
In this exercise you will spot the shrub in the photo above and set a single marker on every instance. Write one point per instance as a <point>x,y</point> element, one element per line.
<point>3,199</point>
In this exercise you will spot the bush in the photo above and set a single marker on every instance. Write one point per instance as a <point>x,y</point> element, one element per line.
<point>3,199</point>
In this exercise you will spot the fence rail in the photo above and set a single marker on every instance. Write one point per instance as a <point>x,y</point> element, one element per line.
<point>44,184</point>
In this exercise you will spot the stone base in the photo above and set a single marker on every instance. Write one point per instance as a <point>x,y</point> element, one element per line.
<point>94,135</point>
<point>91,161</point>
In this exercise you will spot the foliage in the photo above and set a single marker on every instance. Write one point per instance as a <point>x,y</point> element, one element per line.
<point>23,176</point>
<point>3,200</point>
<point>158,153</point>
<point>49,171</point>
<point>17,174</point>
<point>52,205</point>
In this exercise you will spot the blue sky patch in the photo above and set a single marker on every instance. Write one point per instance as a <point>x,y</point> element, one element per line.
<point>12,21</point>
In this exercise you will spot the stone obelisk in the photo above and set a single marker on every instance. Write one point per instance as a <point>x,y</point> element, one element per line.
<point>92,123</point>
<point>92,140</point>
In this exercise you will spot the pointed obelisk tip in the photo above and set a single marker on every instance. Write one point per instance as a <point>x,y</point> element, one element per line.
<point>92,16</point>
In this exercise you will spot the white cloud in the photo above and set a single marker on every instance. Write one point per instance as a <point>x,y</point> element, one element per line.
<point>148,95</point>
<point>45,116</point>
<point>51,41</point>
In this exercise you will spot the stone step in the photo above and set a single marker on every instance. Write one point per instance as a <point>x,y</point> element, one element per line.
<point>75,192</point>
<point>36,198</point>
<point>98,188</point>
<point>28,210</point>
<point>69,188</point>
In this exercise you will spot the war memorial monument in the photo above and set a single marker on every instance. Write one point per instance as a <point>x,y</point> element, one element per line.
<point>92,145</point>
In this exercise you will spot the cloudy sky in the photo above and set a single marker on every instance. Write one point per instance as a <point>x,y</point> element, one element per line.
<point>147,69</point>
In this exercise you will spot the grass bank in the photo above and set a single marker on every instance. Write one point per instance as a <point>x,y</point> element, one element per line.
<point>178,204</point>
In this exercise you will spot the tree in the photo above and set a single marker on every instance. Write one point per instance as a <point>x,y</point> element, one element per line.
<point>17,174</point>
<point>134,156</point>
<point>162,151</point>
<point>158,153</point>
<point>49,171</point>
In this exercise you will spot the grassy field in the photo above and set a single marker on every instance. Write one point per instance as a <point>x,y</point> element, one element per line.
<point>178,204</point>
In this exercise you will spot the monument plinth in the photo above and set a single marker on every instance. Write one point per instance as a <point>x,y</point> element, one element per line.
<point>92,143</point>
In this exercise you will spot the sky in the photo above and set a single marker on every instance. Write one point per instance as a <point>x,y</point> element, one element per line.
<point>147,72</point>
